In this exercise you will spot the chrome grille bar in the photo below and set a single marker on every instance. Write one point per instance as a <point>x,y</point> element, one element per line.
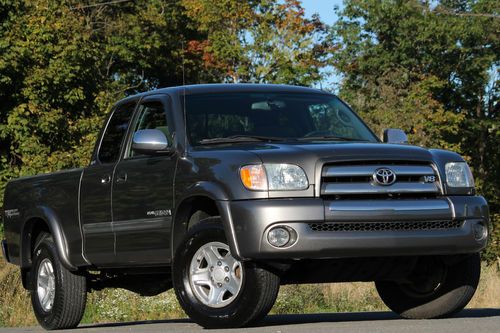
<point>387,210</point>
<point>368,170</point>
<point>368,188</point>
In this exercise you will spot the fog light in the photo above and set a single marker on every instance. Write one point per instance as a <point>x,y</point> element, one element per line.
<point>278,236</point>
<point>480,231</point>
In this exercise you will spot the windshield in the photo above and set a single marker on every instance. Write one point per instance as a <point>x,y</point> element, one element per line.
<point>235,117</point>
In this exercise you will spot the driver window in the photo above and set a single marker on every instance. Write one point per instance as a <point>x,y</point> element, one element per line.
<point>151,116</point>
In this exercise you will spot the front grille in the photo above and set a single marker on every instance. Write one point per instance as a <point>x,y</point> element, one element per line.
<point>413,179</point>
<point>385,226</point>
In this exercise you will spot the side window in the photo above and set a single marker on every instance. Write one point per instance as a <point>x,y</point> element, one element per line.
<point>115,132</point>
<point>152,115</point>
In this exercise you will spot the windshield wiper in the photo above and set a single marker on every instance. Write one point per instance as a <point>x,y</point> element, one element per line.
<point>328,138</point>
<point>241,138</point>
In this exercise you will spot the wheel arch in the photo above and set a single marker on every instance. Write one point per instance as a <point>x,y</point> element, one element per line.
<point>43,219</point>
<point>207,198</point>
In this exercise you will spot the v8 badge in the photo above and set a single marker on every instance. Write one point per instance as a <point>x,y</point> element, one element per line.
<point>429,179</point>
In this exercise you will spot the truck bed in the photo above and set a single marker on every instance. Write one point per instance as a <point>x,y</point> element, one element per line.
<point>49,195</point>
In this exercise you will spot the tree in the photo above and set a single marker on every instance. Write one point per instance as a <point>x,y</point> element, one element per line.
<point>64,64</point>
<point>264,41</point>
<point>431,68</point>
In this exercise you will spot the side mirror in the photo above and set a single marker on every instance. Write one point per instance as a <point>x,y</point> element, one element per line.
<point>395,135</point>
<point>150,142</point>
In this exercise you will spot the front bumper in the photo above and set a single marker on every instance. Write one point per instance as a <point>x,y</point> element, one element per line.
<point>251,220</point>
<point>5,250</point>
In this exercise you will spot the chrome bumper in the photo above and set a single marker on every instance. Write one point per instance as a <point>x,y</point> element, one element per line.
<point>388,210</point>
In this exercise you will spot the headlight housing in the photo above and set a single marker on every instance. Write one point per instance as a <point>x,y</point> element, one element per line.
<point>274,177</point>
<point>458,174</point>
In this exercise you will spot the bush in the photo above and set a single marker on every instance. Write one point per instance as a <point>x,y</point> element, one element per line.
<point>299,299</point>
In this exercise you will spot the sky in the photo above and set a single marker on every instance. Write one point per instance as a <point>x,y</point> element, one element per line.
<point>325,10</point>
<point>323,7</point>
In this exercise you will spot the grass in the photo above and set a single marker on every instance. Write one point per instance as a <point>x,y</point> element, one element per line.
<point>15,308</point>
<point>115,305</point>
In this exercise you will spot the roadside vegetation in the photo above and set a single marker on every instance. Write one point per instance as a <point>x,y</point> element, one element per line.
<point>117,305</point>
<point>430,68</point>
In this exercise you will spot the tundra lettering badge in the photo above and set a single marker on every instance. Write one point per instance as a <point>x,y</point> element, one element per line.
<point>11,213</point>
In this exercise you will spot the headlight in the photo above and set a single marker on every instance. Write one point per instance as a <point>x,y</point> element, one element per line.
<point>274,177</point>
<point>458,175</point>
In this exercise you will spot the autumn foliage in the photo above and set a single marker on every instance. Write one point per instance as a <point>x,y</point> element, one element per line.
<point>429,67</point>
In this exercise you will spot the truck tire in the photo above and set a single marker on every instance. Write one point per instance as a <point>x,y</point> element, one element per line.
<point>436,289</point>
<point>216,290</point>
<point>58,296</point>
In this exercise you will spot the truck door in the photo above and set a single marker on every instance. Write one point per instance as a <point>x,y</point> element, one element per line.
<point>143,192</point>
<point>95,189</point>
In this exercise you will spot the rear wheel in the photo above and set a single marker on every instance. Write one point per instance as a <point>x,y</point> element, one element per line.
<point>215,289</point>
<point>435,289</point>
<point>58,296</point>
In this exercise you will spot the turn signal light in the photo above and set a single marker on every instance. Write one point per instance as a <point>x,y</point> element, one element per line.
<point>254,177</point>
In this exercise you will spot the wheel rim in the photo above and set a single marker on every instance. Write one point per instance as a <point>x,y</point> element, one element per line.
<point>46,285</point>
<point>215,276</point>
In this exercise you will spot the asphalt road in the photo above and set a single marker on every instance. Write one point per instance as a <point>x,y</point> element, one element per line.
<point>468,321</point>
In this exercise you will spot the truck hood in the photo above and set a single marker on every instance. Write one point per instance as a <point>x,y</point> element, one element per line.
<point>221,161</point>
<point>310,155</point>
<point>344,151</point>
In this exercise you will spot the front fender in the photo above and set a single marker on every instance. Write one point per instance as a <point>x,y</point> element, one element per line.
<point>206,189</point>
<point>216,194</point>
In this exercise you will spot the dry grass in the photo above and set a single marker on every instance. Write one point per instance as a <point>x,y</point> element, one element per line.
<point>15,306</point>
<point>118,305</point>
<point>488,293</point>
<point>115,305</point>
<point>362,296</point>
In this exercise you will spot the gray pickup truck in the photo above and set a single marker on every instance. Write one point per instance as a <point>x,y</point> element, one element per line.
<point>225,192</point>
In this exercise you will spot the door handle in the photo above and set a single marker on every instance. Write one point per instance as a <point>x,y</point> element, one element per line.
<point>122,178</point>
<point>105,179</point>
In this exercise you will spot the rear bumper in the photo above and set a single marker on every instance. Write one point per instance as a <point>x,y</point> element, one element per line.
<point>251,220</point>
<point>5,250</point>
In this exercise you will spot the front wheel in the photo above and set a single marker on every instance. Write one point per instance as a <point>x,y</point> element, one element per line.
<point>58,296</point>
<point>436,289</point>
<point>215,289</point>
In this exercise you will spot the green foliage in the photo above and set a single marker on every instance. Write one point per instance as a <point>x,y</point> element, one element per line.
<point>430,68</point>
<point>64,63</point>
<point>62,67</point>
<point>491,254</point>
<point>260,41</point>
<point>299,299</point>
<point>120,305</point>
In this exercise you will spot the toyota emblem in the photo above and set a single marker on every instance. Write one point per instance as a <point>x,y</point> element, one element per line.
<point>384,176</point>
